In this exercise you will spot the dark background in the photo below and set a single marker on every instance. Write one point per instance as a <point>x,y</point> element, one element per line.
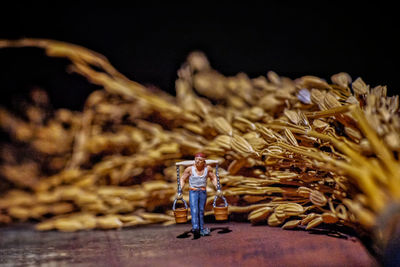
<point>149,43</point>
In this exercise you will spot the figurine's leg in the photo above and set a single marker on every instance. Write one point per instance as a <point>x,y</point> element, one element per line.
<point>194,210</point>
<point>202,204</point>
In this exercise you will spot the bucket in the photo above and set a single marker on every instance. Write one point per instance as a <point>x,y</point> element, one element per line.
<point>180,215</point>
<point>221,213</point>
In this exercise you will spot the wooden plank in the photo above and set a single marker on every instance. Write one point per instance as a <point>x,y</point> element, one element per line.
<point>230,244</point>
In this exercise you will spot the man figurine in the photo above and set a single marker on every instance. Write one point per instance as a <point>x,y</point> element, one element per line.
<point>198,174</point>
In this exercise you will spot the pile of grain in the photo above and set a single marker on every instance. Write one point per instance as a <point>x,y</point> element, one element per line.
<point>293,153</point>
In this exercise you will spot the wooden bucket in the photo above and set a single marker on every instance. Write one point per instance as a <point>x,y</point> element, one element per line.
<point>221,213</point>
<point>180,215</point>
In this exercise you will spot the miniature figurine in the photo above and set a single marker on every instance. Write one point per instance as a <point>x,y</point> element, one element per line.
<point>198,174</point>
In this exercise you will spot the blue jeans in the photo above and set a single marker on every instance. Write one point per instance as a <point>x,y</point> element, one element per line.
<point>197,199</point>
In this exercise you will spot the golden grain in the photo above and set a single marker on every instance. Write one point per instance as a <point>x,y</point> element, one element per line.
<point>281,158</point>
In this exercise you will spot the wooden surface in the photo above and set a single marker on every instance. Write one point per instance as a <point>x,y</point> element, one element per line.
<point>230,244</point>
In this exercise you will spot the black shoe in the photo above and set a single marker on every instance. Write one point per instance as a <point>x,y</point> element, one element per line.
<point>196,232</point>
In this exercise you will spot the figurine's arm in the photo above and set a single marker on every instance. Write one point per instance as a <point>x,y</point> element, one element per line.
<point>213,178</point>
<point>185,176</point>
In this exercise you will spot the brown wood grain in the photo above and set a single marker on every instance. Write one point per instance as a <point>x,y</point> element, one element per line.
<point>230,244</point>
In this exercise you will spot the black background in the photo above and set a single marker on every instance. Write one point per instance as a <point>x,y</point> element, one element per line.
<point>149,43</point>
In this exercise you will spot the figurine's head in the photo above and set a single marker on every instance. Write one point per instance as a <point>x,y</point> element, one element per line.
<point>200,160</point>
